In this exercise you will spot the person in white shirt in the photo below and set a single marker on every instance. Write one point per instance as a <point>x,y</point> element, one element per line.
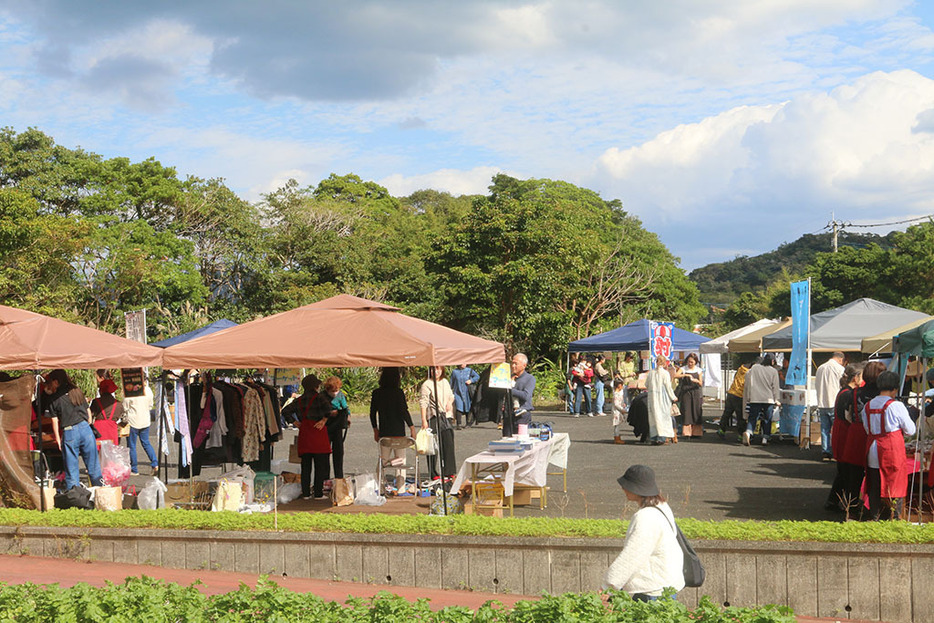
<point>761,392</point>
<point>137,409</point>
<point>827,380</point>
<point>651,560</point>
<point>661,396</point>
<point>886,422</point>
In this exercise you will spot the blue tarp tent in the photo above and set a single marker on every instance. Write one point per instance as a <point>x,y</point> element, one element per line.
<point>214,327</point>
<point>634,336</point>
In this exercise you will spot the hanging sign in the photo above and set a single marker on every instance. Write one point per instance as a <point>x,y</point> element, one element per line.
<point>661,342</point>
<point>501,376</point>
<point>132,382</point>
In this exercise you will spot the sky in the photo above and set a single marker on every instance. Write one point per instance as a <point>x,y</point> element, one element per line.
<point>727,127</point>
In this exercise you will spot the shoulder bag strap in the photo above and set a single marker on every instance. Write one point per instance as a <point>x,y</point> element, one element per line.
<point>666,519</point>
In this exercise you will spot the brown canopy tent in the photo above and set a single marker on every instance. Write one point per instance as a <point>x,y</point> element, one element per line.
<point>31,341</point>
<point>342,331</point>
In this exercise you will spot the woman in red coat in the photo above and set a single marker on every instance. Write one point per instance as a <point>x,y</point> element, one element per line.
<point>313,445</point>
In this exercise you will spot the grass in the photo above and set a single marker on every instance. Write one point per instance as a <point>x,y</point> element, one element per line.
<point>472,525</point>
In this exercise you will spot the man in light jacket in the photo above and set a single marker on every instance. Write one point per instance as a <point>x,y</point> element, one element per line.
<point>827,381</point>
<point>761,392</point>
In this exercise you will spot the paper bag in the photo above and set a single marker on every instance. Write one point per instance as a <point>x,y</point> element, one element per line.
<point>293,453</point>
<point>228,496</point>
<point>341,492</point>
<point>108,498</point>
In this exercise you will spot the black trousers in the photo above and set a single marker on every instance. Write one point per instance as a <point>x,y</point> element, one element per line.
<point>852,485</point>
<point>337,451</point>
<point>880,507</point>
<point>322,467</point>
<point>733,405</point>
<point>446,450</point>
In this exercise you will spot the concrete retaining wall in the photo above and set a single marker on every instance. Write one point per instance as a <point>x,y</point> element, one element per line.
<point>861,581</point>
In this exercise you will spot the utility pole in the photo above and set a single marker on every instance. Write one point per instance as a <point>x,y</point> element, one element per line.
<point>835,228</point>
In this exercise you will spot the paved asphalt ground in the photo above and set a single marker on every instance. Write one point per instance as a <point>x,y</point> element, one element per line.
<point>705,479</point>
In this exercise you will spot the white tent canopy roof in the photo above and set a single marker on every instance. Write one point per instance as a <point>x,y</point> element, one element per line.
<point>721,344</point>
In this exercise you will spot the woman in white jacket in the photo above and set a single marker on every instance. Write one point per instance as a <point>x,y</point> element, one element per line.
<point>651,559</point>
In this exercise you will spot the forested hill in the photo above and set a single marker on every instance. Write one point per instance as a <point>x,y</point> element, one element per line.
<point>723,282</point>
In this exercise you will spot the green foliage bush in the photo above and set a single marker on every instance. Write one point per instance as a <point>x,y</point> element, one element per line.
<point>146,599</point>
<point>472,525</point>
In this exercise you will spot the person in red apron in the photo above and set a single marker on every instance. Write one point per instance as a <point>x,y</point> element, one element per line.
<point>853,453</point>
<point>845,411</point>
<point>886,422</point>
<point>107,411</point>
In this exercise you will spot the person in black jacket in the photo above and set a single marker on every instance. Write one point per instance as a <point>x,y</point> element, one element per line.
<point>389,416</point>
<point>68,409</point>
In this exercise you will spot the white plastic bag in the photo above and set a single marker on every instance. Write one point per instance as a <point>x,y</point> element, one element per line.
<point>425,442</point>
<point>152,495</point>
<point>229,496</point>
<point>289,492</point>
<point>367,491</point>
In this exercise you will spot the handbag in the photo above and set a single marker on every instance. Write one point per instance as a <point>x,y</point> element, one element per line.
<point>694,572</point>
<point>97,434</point>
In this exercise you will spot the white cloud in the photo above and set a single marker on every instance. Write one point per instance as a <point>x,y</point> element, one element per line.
<point>774,172</point>
<point>476,181</point>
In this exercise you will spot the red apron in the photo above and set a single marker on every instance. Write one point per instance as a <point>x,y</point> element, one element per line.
<point>854,449</point>
<point>312,440</point>
<point>839,432</point>
<point>890,446</point>
<point>106,425</point>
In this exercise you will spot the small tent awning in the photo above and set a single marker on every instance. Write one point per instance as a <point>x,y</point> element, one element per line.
<point>918,341</point>
<point>882,343</point>
<point>634,336</point>
<point>214,327</point>
<point>752,341</point>
<point>722,344</point>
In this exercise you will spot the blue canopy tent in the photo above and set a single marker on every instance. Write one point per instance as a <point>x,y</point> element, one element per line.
<point>214,327</point>
<point>634,336</point>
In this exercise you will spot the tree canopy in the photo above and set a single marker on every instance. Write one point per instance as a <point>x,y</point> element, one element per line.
<point>533,263</point>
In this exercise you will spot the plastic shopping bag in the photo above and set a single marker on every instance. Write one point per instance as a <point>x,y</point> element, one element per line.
<point>108,498</point>
<point>228,497</point>
<point>425,442</point>
<point>115,464</point>
<point>152,496</point>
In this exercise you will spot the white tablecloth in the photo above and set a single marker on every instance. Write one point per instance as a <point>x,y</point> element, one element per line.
<point>529,468</point>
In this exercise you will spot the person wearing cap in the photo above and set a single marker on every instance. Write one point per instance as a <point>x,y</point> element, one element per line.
<point>107,411</point>
<point>651,560</point>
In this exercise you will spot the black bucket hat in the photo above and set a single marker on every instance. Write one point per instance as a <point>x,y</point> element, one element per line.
<point>639,479</point>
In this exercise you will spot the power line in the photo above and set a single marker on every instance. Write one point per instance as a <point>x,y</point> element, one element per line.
<point>910,220</point>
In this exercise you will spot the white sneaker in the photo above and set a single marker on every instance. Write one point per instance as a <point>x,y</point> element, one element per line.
<point>765,441</point>
<point>746,436</point>
<point>590,415</point>
<point>577,415</point>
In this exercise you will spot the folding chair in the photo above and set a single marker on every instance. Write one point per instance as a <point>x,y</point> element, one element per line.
<point>399,464</point>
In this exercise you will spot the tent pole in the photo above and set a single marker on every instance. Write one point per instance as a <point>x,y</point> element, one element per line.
<point>163,467</point>
<point>39,409</point>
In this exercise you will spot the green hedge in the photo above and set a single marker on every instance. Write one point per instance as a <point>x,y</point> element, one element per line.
<point>146,599</point>
<point>472,525</point>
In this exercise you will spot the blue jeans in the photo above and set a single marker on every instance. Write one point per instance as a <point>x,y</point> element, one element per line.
<point>143,435</point>
<point>79,440</point>
<point>826,423</point>
<point>582,391</point>
<point>760,412</point>
<point>600,397</point>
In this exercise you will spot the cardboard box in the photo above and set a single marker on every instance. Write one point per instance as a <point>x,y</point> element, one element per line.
<point>521,497</point>
<point>489,511</point>
<point>184,492</point>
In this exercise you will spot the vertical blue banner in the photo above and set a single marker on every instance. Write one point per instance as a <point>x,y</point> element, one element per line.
<point>800,329</point>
